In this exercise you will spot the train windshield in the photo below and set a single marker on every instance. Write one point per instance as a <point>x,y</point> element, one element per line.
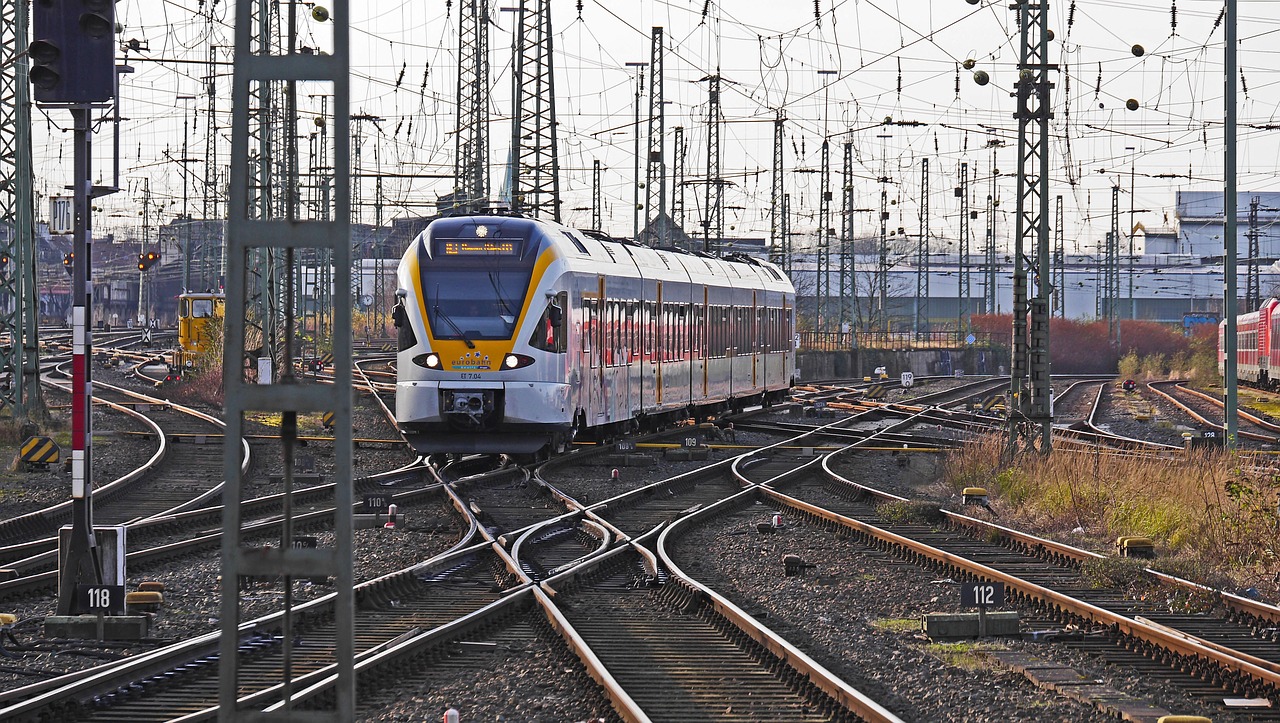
<point>474,288</point>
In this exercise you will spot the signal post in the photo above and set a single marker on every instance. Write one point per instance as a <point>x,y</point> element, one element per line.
<point>72,56</point>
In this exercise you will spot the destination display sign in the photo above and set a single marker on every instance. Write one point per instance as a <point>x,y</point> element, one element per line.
<point>477,247</point>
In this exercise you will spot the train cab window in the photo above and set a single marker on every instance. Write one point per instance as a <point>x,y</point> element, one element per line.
<point>201,308</point>
<point>549,334</point>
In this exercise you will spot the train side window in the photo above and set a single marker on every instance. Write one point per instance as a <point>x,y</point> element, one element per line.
<point>184,308</point>
<point>549,333</point>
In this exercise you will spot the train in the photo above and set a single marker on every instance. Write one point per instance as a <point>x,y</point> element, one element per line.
<point>521,336</point>
<point>1257,346</point>
<point>199,325</point>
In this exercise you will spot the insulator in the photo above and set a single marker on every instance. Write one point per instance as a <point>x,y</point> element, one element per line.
<point>1071,15</point>
<point>1173,17</point>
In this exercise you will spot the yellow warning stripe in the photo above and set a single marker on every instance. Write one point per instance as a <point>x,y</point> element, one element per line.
<point>40,450</point>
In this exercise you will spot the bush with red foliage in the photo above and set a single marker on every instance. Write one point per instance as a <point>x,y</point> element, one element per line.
<point>1083,347</point>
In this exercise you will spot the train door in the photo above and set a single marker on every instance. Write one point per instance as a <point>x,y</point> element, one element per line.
<point>753,339</point>
<point>601,333</point>
<point>660,345</point>
<point>704,313</point>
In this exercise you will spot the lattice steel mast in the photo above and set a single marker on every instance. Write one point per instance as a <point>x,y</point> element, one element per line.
<point>19,360</point>
<point>655,176</point>
<point>263,289</point>
<point>966,271</point>
<point>882,265</point>
<point>713,221</point>
<point>1059,262</point>
<point>922,255</point>
<point>535,183</point>
<point>680,149</point>
<point>779,245</point>
<point>471,154</point>
<point>596,196</point>
<point>847,289</point>
<point>1253,289</point>
<point>823,247</point>
<point>1112,292</point>
<point>211,205</point>
<point>1030,406</point>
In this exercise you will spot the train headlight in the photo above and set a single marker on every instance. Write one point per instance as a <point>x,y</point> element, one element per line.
<point>516,361</point>
<point>430,361</point>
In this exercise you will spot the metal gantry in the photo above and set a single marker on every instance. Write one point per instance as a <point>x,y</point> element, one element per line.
<point>19,360</point>
<point>535,182</point>
<point>471,152</point>
<point>250,232</point>
<point>655,177</point>
<point>1030,404</point>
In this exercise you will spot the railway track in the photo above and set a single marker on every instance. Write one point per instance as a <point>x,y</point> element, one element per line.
<point>166,483</point>
<point>562,552</point>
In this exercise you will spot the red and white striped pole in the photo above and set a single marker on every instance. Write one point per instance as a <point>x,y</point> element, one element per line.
<point>81,566</point>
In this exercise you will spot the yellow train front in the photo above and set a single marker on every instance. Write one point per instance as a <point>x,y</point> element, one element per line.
<point>518,335</point>
<point>199,325</point>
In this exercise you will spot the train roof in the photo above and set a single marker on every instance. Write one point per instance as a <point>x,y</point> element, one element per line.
<point>588,251</point>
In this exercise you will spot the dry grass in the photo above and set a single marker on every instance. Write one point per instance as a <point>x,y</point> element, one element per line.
<point>1213,512</point>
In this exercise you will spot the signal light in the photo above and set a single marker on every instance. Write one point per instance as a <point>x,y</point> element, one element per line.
<point>68,262</point>
<point>73,51</point>
<point>147,260</point>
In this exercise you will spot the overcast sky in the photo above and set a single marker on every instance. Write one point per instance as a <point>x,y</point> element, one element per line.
<point>891,58</point>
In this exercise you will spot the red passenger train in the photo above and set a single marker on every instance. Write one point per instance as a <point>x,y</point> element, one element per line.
<point>1257,346</point>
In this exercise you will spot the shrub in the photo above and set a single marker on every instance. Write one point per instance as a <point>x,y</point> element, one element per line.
<point>1128,365</point>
